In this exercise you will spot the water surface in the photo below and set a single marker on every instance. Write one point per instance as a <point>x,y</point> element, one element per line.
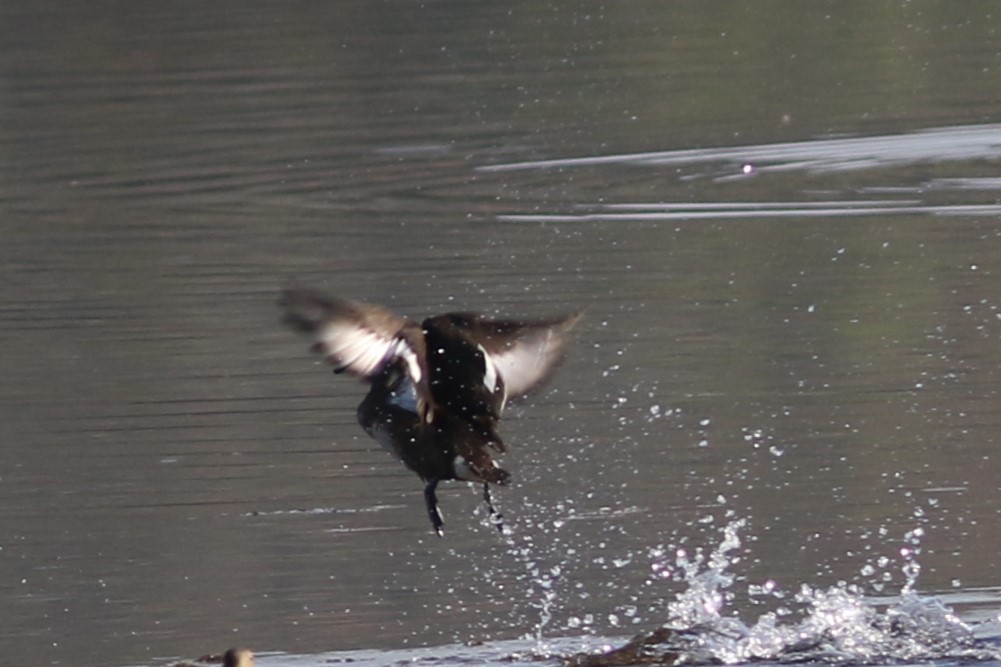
<point>781,219</point>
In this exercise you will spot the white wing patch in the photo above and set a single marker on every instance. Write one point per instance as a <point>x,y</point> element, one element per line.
<point>403,350</point>
<point>356,349</point>
<point>492,378</point>
<point>490,371</point>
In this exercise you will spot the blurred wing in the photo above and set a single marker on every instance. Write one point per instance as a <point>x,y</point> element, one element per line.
<point>355,349</point>
<point>525,353</point>
<point>354,337</point>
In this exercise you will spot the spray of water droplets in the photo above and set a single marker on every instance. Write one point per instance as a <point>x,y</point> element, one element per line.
<point>834,625</point>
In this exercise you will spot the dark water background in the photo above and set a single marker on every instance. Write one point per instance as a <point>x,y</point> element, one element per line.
<point>803,334</point>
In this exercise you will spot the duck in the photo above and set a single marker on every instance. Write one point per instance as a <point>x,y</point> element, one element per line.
<point>438,387</point>
<point>238,657</point>
<point>234,657</point>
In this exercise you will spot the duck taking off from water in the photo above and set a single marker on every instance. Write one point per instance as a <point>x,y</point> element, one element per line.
<point>437,389</point>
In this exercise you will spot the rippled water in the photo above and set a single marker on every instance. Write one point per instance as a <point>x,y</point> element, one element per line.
<point>780,219</point>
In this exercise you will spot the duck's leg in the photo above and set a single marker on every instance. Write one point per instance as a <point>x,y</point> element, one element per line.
<point>431,500</point>
<point>496,517</point>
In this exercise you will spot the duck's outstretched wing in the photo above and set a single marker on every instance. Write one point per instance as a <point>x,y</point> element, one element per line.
<point>357,338</point>
<point>524,353</point>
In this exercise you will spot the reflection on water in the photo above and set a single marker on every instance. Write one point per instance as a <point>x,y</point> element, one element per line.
<point>810,348</point>
<point>751,210</point>
<point>946,144</point>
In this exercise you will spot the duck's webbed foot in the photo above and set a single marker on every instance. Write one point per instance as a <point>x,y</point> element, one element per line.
<point>496,517</point>
<point>431,500</point>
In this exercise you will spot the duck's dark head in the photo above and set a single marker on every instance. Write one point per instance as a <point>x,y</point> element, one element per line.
<point>392,376</point>
<point>394,386</point>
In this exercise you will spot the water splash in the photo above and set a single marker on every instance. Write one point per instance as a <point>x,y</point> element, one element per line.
<point>708,581</point>
<point>835,625</point>
<point>542,579</point>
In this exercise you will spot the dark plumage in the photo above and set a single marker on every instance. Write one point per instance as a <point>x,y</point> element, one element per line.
<point>438,388</point>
